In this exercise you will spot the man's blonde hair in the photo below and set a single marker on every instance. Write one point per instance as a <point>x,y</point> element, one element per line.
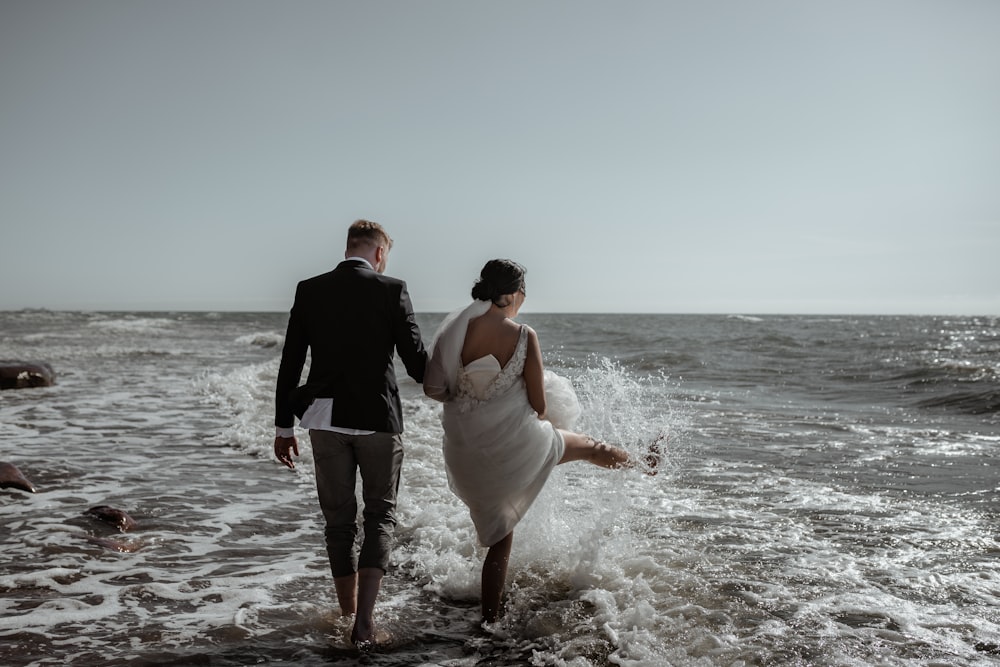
<point>367,234</point>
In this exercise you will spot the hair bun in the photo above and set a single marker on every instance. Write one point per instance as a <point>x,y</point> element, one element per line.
<point>483,290</point>
<point>498,278</point>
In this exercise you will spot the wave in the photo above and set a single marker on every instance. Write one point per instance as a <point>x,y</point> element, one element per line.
<point>266,340</point>
<point>129,324</point>
<point>969,402</point>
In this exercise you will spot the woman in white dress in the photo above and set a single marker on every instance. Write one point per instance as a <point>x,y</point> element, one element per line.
<point>499,447</point>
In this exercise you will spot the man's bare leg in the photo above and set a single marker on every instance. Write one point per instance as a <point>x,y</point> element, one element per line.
<point>369,583</point>
<point>347,593</point>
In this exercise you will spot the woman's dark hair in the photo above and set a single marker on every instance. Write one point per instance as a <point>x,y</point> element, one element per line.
<point>499,278</point>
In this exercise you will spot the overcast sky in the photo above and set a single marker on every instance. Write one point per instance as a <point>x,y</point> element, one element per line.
<point>711,156</point>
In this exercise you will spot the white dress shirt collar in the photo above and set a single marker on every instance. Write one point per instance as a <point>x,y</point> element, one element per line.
<point>360,259</point>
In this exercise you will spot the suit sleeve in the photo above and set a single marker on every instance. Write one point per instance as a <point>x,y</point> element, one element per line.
<point>409,344</point>
<point>293,358</point>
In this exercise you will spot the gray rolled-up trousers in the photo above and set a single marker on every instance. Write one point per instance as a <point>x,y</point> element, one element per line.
<point>338,457</point>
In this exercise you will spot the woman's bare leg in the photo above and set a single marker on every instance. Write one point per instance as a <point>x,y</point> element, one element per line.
<point>494,577</point>
<point>580,447</point>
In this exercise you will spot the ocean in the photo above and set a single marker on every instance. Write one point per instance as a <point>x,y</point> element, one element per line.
<point>828,496</point>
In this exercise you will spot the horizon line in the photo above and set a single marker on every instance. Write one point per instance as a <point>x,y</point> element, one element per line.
<point>730,313</point>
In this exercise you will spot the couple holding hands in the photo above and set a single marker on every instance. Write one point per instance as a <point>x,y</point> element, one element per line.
<point>499,447</point>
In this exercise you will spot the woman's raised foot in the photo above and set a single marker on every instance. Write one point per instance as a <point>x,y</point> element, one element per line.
<point>654,453</point>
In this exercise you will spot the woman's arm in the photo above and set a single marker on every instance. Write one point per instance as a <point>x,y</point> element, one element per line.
<point>534,375</point>
<point>435,378</point>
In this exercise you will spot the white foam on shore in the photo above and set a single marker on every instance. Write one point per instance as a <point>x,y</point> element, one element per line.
<point>618,553</point>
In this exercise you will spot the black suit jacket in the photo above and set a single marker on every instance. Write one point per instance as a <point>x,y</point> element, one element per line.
<point>352,319</point>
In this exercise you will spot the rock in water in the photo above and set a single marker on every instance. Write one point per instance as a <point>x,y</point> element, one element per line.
<point>11,478</point>
<point>116,517</point>
<point>24,374</point>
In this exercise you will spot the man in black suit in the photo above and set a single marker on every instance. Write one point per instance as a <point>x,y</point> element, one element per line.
<point>352,319</point>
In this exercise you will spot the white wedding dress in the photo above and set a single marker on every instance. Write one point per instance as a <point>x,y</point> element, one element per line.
<point>497,452</point>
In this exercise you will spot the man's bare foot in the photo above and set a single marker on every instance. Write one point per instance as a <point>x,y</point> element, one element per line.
<point>363,635</point>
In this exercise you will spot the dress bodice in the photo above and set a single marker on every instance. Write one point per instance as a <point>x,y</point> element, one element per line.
<point>484,378</point>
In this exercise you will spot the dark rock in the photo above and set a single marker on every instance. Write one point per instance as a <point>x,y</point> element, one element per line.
<point>11,478</point>
<point>116,517</point>
<point>23,374</point>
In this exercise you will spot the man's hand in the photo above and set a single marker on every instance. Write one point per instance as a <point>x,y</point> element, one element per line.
<point>283,448</point>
